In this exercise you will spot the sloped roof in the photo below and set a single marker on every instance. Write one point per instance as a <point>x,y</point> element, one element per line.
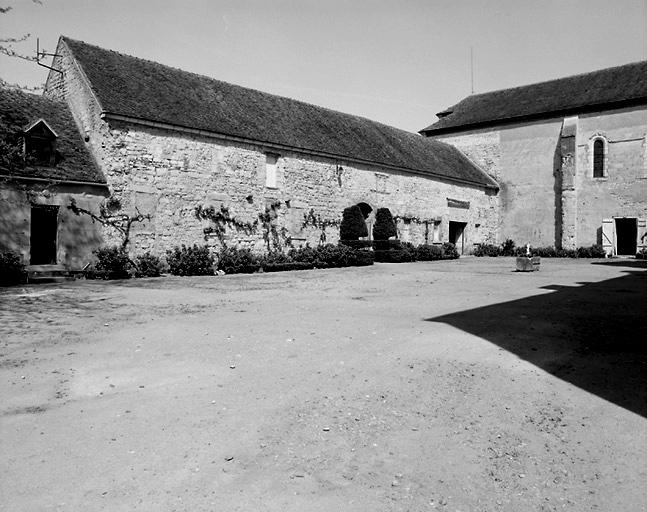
<point>599,90</point>
<point>19,110</point>
<point>138,88</point>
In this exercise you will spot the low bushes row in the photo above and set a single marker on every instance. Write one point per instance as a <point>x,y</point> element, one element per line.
<point>508,248</point>
<point>405,252</point>
<point>114,262</point>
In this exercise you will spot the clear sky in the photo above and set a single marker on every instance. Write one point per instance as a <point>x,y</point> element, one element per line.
<point>394,61</point>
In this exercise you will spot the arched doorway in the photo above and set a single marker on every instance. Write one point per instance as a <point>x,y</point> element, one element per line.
<point>367,211</point>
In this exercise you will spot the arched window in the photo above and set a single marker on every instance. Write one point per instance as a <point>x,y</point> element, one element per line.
<point>599,170</point>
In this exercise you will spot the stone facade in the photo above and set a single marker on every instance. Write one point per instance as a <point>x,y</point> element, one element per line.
<point>174,173</point>
<point>76,236</point>
<point>171,175</point>
<point>549,195</point>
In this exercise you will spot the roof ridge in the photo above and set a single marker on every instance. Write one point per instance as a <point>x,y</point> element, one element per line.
<point>551,80</point>
<point>201,75</point>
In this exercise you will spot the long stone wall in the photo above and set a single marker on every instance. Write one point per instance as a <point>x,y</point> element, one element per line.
<point>172,175</point>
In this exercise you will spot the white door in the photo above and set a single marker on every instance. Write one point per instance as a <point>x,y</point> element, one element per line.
<point>608,237</point>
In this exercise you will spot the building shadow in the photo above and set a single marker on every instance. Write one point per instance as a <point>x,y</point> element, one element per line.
<point>592,335</point>
<point>622,262</point>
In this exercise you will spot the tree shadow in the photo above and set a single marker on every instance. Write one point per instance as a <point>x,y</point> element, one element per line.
<point>593,335</point>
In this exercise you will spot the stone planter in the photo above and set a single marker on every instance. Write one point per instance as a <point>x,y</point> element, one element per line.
<point>527,264</point>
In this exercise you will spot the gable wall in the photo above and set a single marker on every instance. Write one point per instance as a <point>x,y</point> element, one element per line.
<point>522,160</point>
<point>535,202</point>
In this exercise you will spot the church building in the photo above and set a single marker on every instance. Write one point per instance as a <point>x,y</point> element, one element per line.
<point>569,155</point>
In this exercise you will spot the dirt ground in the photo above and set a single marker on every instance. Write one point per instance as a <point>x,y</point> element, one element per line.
<point>451,386</point>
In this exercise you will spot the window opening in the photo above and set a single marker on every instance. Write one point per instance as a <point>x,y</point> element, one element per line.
<point>40,144</point>
<point>598,158</point>
<point>270,170</point>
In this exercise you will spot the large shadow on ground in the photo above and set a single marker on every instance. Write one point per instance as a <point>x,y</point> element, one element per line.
<point>593,335</point>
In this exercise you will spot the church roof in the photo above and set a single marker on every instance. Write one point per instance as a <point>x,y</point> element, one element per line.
<point>146,90</point>
<point>20,112</point>
<point>589,92</point>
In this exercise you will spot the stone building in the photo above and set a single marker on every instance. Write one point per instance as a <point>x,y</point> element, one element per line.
<point>44,165</point>
<point>569,155</point>
<point>215,163</point>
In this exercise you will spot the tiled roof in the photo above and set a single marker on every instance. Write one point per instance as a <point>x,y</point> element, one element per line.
<point>599,90</point>
<point>137,88</point>
<point>18,110</point>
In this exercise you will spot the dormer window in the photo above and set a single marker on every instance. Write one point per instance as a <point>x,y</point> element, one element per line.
<point>40,144</point>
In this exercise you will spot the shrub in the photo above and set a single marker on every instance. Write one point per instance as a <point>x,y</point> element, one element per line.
<point>360,258</point>
<point>112,263</point>
<point>286,265</point>
<point>330,256</point>
<point>488,250</point>
<point>190,261</point>
<point>507,248</point>
<point>449,251</point>
<point>148,265</point>
<point>305,254</point>
<point>357,244</point>
<point>238,261</point>
<point>428,252</point>
<point>544,252</point>
<point>384,227</point>
<point>393,256</point>
<point>12,271</point>
<point>594,251</point>
<point>352,225</point>
<point>642,254</point>
<point>385,245</point>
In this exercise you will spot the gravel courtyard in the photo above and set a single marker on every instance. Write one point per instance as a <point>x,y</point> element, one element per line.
<point>452,386</point>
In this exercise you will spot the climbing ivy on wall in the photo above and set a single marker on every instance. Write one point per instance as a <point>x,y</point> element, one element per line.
<point>108,216</point>
<point>311,219</point>
<point>221,219</point>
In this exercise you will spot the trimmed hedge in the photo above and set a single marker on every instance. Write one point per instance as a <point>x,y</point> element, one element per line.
<point>384,227</point>
<point>353,225</point>
<point>394,256</point>
<point>429,253</point>
<point>508,249</point>
<point>287,265</point>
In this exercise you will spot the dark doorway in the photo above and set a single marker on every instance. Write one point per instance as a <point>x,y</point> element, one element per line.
<point>457,234</point>
<point>44,228</point>
<point>626,234</point>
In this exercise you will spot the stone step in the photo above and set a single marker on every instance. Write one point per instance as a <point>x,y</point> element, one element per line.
<point>48,274</point>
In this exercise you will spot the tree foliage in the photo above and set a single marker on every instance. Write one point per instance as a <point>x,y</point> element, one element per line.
<point>352,225</point>
<point>384,227</point>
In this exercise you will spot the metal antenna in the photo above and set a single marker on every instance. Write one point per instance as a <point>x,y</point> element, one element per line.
<point>41,54</point>
<point>472,68</point>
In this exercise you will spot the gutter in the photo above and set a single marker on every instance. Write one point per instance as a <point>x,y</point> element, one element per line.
<point>53,181</point>
<point>281,147</point>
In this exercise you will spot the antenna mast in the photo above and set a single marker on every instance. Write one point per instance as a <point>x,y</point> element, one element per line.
<point>472,68</point>
<point>41,54</point>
